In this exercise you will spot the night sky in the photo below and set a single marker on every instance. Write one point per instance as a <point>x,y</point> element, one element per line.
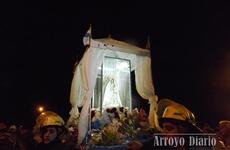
<point>41,41</point>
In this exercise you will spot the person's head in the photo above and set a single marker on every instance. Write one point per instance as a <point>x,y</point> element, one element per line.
<point>50,133</point>
<point>224,126</point>
<point>3,127</point>
<point>51,125</point>
<point>176,118</point>
<point>171,127</point>
<point>12,128</point>
<point>224,130</point>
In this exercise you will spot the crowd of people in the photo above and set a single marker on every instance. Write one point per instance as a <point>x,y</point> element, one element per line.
<point>177,121</point>
<point>50,132</point>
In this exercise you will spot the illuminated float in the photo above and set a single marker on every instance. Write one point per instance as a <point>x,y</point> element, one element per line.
<point>101,88</point>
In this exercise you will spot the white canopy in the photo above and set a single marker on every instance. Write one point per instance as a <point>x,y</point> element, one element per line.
<point>85,74</point>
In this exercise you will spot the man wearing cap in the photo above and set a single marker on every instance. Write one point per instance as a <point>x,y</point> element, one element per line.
<point>51,127</point>
<point>174,119</point>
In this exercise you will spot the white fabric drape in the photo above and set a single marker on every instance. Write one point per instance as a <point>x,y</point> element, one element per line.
<point>144,86</point>
<point>124,87</point>
<point>82,87</point>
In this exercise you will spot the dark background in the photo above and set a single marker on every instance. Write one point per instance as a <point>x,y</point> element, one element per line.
<point>41,41</point>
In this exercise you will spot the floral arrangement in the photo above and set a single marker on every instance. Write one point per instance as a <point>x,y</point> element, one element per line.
<point>109,135</point>
<point>115,125</point>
